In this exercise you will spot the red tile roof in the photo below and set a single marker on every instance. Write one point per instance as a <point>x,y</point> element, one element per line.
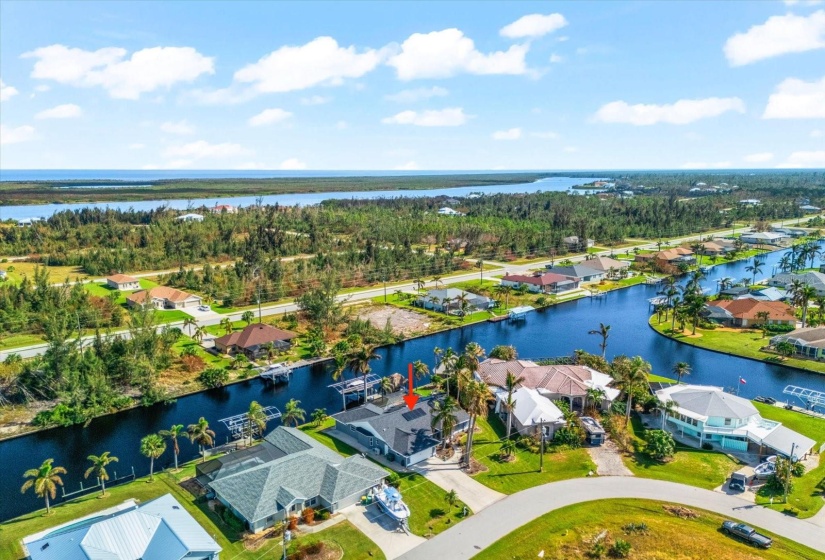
<point>566,380</point>
<point>121,278</point>
<point>546,279</point>
<point>255,335</point>
<point>747,308</point>
<point>160,292</point>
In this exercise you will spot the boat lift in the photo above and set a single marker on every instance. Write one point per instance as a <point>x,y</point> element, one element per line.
<point>809,397</point>
<point>239,424</point>
<point>277,373</point>
<point>355,387</point>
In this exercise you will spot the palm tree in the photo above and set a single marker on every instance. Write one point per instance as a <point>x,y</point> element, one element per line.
<point>98,468</point>
<point>247,317</point>
<point>594,395</point>
<point>198,334</point>
<point>45,479</point>
<point>666,408</point>
<point>451,498</point>
<point>436,280</point>
<point>506,290</point>
<point>420,369</point>
<point>801,295</point>
<point>201,433</point>
<point>152,446</point>
<point>785,262</point>
<point>444,416</point>
<point>173,434</point>
<point>359,363</point>
<point>270,352</point>
<point>629,375</point>
<point>476,405</point>
<point>255,419</point>
<point>239,360</point>
<point>226,323</point>
<point>293,413</point>
<point>680,369</point>
<point>319,416</point>
<point>419,283</point>
<point>754,269</point>
<point>386,386</point>
<point>509,403</point>
<point>604,332</point>
<point>191,323</point>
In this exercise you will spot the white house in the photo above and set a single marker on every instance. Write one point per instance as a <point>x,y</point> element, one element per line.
<point>122,282</point>
<point>750,201</point>
<point>447,211</point>
<point>532,411</point>
<point>190,218</point>
<point>764,238</point>
<point>709,414</point>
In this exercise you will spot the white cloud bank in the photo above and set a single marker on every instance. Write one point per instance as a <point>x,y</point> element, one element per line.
<point>181,127</point>
<point>805,159</point>
<point>292,164</point>
<point>65,111</point>
<point>269,116</point>
<point>510,134</point>
<point>419,94</point>
<point>777,36</point>
<point>9,135</point>
<point>453,116</point>
<point>760,157</point>
<point>315,100</point>
<point>684,111</point>
<point>704,165</point>
<point>409,166</point>
<point>145,71</point>
<point>442,54</point>
<point>7,91</point>
<point>797,99</point>
<point>533,25</point>
<point>203,149</point>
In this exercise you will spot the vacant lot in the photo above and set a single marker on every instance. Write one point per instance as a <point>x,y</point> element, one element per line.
<point>402,321</point>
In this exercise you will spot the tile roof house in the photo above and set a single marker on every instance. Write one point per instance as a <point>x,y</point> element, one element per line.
<point>764,238</point>
<point>224,209</point>
<point>710,415</point>
<point>298,472</point>
<point>397,431</point>
<point>163,297</point>
<point>771,294</point>
<point>122,282</point>
<point>745,312</point>
<point>252,340</point>
<point>579,272</point>
<point>160,529</point>
<point>813,279</point>
<point>548,282</point>
<point>715,248</point>
<point>605,264</point>
<point>808,342</point>
<point>448,299</point>
<point>533,411</point>
<point>553,382</point>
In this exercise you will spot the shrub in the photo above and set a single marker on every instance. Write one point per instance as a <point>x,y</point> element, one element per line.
<point>308,516</point>
<point>234,523</point>
<point>620,549</point>
<point>659,444</point>
<point>293,522</point>
<point>707,446</point>
<point>798,469</point>
<point>394,479</point>
<point>598,550</point>
<point>322,515</point>
<point>213,377</point>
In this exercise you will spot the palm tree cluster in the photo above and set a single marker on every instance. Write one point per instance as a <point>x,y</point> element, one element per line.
<point>683,303</point>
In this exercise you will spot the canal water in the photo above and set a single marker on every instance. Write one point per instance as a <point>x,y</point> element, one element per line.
<point>555,331</point>
<point>560,184</point>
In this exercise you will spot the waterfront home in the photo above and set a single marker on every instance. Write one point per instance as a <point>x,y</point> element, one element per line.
<point>541,282</point>
<point>770,294</point>
<point>190,218</point>
<point>578,272</point>
<point>715,248</point>
<point>122,282</point>
<point>400,434</point>
<point>736,291</point>
<point>224,209</point>
<point>809,208</point>
<point>533,412</point>
<point>25,222</point>
<point>575,243</point>
<point>449,299</point>
<point>791,231</point>
<point>764,238</point>
<point>447,211</point>
<point>605,264</point>
<point>750,201</point>
<point>808,342</point>
<point>159,529</point>
<point>674,257</point>
<point>163,297</point>
<point>294,473</point>
<point>747,312</point>
<point>553,382</point>
<point>253,340</point>
<point>705,413</point>
<point>814,279</point>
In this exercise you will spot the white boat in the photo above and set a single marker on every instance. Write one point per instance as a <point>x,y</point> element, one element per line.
<point>765,470</point>
<point>390,501</point>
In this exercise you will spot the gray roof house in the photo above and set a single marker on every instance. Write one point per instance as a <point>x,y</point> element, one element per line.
<point>435,300</point>
<point>578,272</point>
<point>808,342</point>
<point>294,472</point>
<point>814,279</point>
<point>160,529</point>
<point>396,431</point>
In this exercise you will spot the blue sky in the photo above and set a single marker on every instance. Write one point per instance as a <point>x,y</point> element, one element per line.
<point>348,85</point>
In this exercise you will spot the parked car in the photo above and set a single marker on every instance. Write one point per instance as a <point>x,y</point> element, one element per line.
<point>204,308</point>
<point>746,533</point>
<point>741,479</point>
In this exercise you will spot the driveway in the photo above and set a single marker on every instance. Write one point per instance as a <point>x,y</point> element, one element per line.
<point>201,315</point>
<point>382,530</point>
<point>608,460</point>
<point>479,531</point>
<point>449,476</point>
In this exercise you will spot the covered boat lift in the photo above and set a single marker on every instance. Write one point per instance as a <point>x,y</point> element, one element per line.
<point>355,387</point>
<point>239,423</point>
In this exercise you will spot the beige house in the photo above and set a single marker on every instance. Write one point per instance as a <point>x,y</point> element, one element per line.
<point>122,282</point>
<point>163,297</point>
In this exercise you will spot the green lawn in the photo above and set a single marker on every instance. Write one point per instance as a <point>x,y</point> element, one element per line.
<point>511,477</point>
<point>18,340</point>
<point>569,532</point>
<point>696,467</point>
<point>352,541</point>
<point>428,509</point>
<point>610,285</point>
<point>171,315</point>
<point>741,343</point>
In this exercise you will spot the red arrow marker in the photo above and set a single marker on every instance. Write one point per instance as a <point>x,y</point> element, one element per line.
<point>410,398</point>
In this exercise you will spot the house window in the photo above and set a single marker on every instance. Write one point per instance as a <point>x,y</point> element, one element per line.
<point>311,502</point>
<point>352,428</point>
<point>371,441</point>
<point>727,421</point>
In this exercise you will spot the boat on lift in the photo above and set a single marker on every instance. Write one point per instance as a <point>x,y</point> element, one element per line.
<point>390,501</point>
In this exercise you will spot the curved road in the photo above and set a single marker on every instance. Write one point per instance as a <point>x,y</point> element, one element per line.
<point>481,530</point>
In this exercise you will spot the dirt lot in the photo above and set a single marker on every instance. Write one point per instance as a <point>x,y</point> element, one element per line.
<point>403,321</point>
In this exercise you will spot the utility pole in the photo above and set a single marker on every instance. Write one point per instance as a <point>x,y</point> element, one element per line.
<point>541,455</point>
<point>260,320</point>
<point>787,476</point>
<point>385,288</point>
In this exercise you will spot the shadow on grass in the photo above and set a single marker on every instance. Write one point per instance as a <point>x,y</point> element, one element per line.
<point>436,512</point>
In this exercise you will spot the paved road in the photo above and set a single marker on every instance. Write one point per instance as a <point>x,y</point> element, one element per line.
<point>505,516</point>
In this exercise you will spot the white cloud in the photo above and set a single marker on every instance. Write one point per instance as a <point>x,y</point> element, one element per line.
<point>805,159</point>
<point>413,95</point>
<point>683,111</point>
<point>802,2</point>
<point>319,62</point>
<point>704,165</point>
<point>816,133</point>
<point>17,135</point>
<point>341,125</point>
<point>760,157</point>
<point>225,96</point>
<point>269,116</point>
<point>180,127</point>
<point>65,111</point>
<point>556,58</point>
<point>409,166</point>
<point>563,38</point>
<point>545,135</point>
<point>42,88</point>
<point>7,91</point>
<point>570,149</point>
<point>145,71</point>
<point>442,54</point>
<point>796,99</point>
<point>136,146</point>
<point>315,100</point>
<point>292,164</point>
<point>510,134</point>
<point>777,36</point>
<point>453,116</point>
<point>533,25</point>
<point>203,149</point>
